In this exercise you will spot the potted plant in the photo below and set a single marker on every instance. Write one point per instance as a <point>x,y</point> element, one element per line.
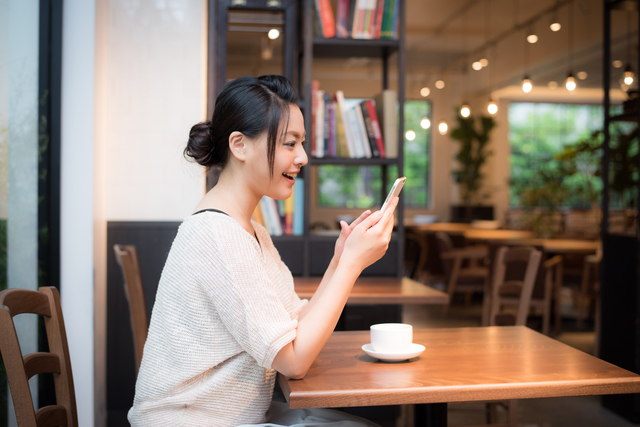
<point>471,157</point>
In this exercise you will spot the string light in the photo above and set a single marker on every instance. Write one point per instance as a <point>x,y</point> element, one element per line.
<point>425,123</point>
<point>484,62</point>
<point>526,84</point>
<point>628,75</point>
<point>410,135</point>
<point>465,110</point>
<point>477,66</point>
<point>273,34</point>
<point>425,91</point>
<point>443,127</point>
<point>439,84</point>
<point>570,83</point>
<point>492,108</point>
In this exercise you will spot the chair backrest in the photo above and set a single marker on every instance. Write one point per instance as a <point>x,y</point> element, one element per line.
<point>127,258</point>
<point>412,255</point>
<point>46,303</point>
<point>445,245</point>
<point>514,291</point>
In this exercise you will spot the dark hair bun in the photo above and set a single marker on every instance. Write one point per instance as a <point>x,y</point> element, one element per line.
<point>201,144</point>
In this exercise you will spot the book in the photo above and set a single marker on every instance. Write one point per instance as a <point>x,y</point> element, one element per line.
<point>342,150</point>
<point>257,215</point>
<point>331,128</point>
<point>371,109</point>
<point>325,17</point>
<point>315,87</point>
<point>345,123</point>
<point>319,125</point>
<point>375,152</point>
<point>386,109</point>
<point>363,137</point>
<point>352,8</point>
<point>378,22</point>
<point>272,216</point>
<point>298,207</point>
<point>288,214</point>
<point>342,17</point>
<point>387,17</point>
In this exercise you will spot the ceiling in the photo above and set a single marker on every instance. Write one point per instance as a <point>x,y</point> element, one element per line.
<point>444,37</point>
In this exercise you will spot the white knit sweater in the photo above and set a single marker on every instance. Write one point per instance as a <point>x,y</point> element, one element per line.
<point>225,307</point>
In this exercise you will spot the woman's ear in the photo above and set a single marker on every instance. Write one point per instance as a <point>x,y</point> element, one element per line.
<point>237,145</point>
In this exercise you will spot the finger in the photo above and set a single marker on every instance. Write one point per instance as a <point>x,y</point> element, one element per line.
<point>361,218</point>
<point>344,227</point>
<point>371,220</point>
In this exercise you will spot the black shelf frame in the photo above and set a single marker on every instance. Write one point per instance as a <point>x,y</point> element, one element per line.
<point>313,47</point>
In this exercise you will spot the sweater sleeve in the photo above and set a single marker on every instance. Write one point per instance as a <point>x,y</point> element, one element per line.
<point>244,297</point>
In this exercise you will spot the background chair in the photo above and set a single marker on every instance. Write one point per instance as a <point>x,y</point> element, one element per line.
<point>464,267</point>
<point>515,293</point>
<point>46,303</point>
<point>127,258</point>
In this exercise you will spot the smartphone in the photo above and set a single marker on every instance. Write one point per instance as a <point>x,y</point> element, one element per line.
<point>395,190</point>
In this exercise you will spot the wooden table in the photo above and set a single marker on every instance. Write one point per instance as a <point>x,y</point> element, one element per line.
<point>458,365</point>
<point>447,227</point>
<point>379,290</point>
<point>488,235</point>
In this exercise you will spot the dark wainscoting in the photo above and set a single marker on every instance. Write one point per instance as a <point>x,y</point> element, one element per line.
<point>153,241</point>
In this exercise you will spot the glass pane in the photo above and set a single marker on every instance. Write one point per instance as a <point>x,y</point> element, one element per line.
<point>250,50</point>
<point>555,151</point>
<point>19,35</point>
<point>416,152</point>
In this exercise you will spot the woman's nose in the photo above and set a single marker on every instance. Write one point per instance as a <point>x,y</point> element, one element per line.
<point>301,158</point>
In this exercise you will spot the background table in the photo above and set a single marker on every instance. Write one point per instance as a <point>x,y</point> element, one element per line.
<point>379,290</point>
<point>458,365</point>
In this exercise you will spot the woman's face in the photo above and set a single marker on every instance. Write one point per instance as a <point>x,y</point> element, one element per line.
<point>290,156</point>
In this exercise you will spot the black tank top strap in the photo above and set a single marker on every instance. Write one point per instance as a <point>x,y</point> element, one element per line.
<point>210,210</point>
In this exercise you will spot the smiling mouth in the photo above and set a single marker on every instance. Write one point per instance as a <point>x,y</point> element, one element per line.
<point>290,176</point>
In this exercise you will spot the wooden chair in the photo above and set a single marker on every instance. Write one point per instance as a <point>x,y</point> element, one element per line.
<point>127,258</point>
<point>46,303</point>
<point>512,293</point>
<point>548,279</point>
<point>464,267</point>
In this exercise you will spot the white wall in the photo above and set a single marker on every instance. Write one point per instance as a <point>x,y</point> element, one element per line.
<point>76,204</point>
<point>155,91</point>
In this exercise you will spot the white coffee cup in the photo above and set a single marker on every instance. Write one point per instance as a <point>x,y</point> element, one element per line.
<point>391,337</point>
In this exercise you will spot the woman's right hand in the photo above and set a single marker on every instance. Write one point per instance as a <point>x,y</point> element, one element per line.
<point>369,240</point>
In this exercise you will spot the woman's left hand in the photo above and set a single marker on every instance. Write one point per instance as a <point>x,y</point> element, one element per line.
<point>345,232</point>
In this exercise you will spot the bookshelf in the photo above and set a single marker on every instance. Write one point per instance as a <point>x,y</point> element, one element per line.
<point>317,250</point>
<point>309,254</point>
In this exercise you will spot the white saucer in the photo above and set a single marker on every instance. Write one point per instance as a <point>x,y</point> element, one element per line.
<point>413,351</point>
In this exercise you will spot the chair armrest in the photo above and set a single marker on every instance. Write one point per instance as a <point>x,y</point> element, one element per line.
<point>465,253</point>
<point>552,262</point>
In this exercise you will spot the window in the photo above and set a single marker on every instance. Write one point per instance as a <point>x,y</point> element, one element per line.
<point>359,186</point>
<point>537,133</point>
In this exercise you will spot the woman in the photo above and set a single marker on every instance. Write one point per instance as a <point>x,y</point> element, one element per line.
<point>226,317</point>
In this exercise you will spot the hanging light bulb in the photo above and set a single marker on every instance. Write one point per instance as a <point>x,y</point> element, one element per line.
<point>477,66</point>
<point>570,83</point>
<point>425,123</point>
<point>425,91</point>
<point>273,34</point>
<point>465,111</point>
<point>439,84</point>
<point>443,127</point>
<point>484,62</point>
<point>555,24</point>
<point>526,84</point>
<point>628,75</point>
<point>531,36</point>
<point>492,107</point>
<point>410,135</point>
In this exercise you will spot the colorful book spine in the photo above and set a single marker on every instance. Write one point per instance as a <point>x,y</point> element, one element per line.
<point>379,15</point>
<point>315,87</point>
<point>342,17</point>
<point>298,207</point>
<point>319,128</point>
<point>375,123</point>
<point>325,16</point>
<point>371,137</point>
<point>363,137</point>
<point>387,17</point>
<point>345,122</point>
<point>288,214</point>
